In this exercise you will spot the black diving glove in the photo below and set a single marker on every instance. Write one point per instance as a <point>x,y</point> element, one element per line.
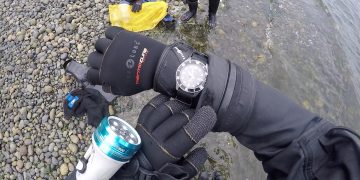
<point>86,101</point>
<point>126,63</point>
<point>136,6</point>
<point>168,130</point>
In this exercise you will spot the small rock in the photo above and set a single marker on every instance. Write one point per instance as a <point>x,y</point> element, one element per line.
<point>28,165</point>
<point>22,150</point>
<point>74,139</point>
<point>9,68</point>
<point>19,164</point>
<point>23,111</point>
<point>51,147</point>
<point>59,30</point>
<point>30,88</point>
<point>27,142</point>
<point>52,114</point>
<point>80,47</point>
<point>44,119</point>
<point>30,150</point>
<point>12,147</point>
<point>63,56</point>
<point>73,148</point>
<point>64,170</point>
<point>45,1</point>
<point>48,89</point>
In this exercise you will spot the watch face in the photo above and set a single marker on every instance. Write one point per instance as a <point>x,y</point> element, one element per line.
<point>191,76</point>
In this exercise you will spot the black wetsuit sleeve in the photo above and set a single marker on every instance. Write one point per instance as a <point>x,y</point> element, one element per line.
<point>291,142</point>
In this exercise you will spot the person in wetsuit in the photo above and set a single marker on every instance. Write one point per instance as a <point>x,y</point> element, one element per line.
<point>193,5</point>
<point>291,142</point>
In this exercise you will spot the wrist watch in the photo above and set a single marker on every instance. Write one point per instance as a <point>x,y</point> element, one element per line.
<point>191,77</point>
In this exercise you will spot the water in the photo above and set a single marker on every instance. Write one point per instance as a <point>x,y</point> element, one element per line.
<point>308,49</point>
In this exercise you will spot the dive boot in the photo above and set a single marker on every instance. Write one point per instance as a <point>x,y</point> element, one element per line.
<point>212,20</point>
<point>193,5</point>
<point>213,7</point>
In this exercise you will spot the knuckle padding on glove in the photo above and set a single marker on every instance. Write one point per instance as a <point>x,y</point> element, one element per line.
<point>175,106</point>
<point>161,113</point>
<point>93,76</point>
<point>159,99</point>
<point>94,60</point>
<point>151,106</point>
<point>102,44</point>
<point>169,127</point>
<point>188,113</point>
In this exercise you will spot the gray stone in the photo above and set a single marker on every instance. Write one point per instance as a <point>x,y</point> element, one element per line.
<point>12,147</point>
<point>45,1</point>
<point>54,161</point>
<point>19,177</point>
<point>74,139</point>
<point>63,56</point>
<point>19,164</point>
<point>45,118</point>
<point>59,30</point>
<point>73,148</point>
<point>52,114</point>
<point>27,165</point>
<point>30,150</point>
<point>23,111</point>
<point>64,169</point>
<point>30,88</point>
<point>22,124</point>
<point>27,142</point>
<point>51,147</point>
<point>48,89</point>
<point>22,150</point>
<point>8,169</point>
<point>9,68</point>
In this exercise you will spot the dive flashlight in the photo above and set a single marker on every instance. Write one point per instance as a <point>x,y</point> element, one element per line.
<point>114,143</point>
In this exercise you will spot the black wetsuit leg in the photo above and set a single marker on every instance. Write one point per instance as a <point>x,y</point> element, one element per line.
<point>193,5</point>
<point>213,7</point>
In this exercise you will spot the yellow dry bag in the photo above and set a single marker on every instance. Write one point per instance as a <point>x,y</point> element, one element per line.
<point>150,15</point>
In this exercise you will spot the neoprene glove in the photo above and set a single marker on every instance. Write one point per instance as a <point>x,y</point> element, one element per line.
<point>89,102</point>
<point>168,130</point>
<point>125,63</point>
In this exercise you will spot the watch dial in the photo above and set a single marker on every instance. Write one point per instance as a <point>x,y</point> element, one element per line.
<point>192,75</point>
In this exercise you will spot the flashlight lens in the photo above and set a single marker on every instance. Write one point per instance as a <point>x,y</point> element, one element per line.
<point>123,131</point>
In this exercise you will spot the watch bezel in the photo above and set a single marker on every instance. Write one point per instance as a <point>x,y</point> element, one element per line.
<point>199,87</point>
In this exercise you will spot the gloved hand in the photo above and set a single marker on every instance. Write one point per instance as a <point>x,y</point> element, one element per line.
<point>125,63</point>
<point>168,130</point>
<point>136,5</point>
<point>89,102</point>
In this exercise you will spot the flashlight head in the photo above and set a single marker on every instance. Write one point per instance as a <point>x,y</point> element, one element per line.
<point>117,139</point>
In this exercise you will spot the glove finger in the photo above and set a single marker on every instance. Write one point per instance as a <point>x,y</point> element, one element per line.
<point>172,125</point>
<point>95,59</point>
<point>163,112</point>
<point>102,44</point>
<point>112,31</point>
<point>93,76</point>
<point>195,160</point>
<point>202,123</point>
<point>151,105</point>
